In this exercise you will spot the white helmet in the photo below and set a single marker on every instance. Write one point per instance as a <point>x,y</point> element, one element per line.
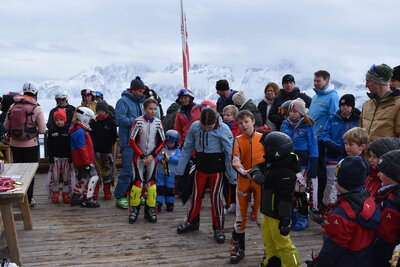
<point>30,87</point>
<point>61,94</point>
<point>84,116</point>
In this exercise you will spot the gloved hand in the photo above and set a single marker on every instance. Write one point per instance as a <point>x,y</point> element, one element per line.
<point>284,226</point>
<point>51,160</point>
<point>86,168</point>
<point>257,175</point>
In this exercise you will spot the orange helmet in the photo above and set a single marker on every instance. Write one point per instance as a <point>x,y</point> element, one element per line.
<point>208,104</point>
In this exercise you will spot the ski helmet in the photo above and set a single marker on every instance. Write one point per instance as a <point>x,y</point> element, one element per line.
<point>183,92</point>
<point>87,91</point>
<point>172,136</point>
<point>98,94</point>
<point>30,87</point>
<point>208,104</point>
<point>84,116</point>
<point>276,144</point>
<point>61,95</point>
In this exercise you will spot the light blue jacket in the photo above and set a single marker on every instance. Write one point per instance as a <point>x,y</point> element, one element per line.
<point>128,108</point>
<point>219,140</point>
<point>324,103</point>
<point>174,155</point>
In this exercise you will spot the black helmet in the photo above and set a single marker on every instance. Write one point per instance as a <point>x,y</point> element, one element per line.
<point>276,144</point>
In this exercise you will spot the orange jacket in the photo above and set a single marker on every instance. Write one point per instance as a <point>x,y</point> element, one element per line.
<point>247,152</point>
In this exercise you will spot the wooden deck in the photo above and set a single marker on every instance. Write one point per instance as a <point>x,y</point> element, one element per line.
<point>73,236</point>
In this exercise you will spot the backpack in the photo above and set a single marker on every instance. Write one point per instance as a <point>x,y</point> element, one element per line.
<point>22,127</point>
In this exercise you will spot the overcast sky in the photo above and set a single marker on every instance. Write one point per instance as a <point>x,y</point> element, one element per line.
<point>48,39</point>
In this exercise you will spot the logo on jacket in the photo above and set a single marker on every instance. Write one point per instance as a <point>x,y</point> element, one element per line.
<point>389,216</point>
<point>277,154</point>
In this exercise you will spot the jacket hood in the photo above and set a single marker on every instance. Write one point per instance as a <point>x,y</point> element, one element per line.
<point>360,207</point>
<point>329,88</point>
<point>137,99</point>
<point>25,98</point>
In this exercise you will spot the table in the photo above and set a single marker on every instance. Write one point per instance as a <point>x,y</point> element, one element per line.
<point>27,172</point>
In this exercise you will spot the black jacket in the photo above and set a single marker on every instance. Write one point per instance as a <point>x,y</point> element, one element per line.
<point>281,98</point>
<point>104,134</point>
<point>58,143</point>
<point>278,179</point>
<point>70,113</point>
<point>250,106</point>
<point>169,119</point>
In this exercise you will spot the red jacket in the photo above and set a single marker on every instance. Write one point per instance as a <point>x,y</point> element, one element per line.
<point>81,145</point>
<point>183,123</point>
<point>373,182</point>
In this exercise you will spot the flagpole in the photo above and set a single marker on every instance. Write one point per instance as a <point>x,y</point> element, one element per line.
<point>185,48</point>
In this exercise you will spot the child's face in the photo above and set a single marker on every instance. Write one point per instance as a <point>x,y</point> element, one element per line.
<point>151,110</point>
<point>59,122</point>
<point>169,144</point>
<point>373,160</point>
<point>385,179</point>
<point>228,116</point>
<point>345,110</point>
<point>294,115</point>
<point>101,113</point>
<point>352,149</point>
<point>246,125</point>
<point>87,98</point>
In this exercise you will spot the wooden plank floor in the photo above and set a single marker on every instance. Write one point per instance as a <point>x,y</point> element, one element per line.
<point>73,236</point>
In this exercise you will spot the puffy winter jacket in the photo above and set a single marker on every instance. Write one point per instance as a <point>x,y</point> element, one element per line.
<point>282,97</point>
<point>305,145</point>
<point>182,122</point>
<point>324,103</point>
<point>81,145</point>
<point>104,134</point>
<point>373,183</point>
<point>349,231</point>
<point>128,108</point>
<point>333,132</point>
<point>381,117</point>
<point>215,141</point>
<point>58,143</point>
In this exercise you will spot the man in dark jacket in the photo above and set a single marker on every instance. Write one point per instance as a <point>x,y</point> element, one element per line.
<point>289,92</point>
<point>225,95</point>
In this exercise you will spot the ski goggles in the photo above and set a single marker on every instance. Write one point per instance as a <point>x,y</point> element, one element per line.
<point>183,92</point>
<point>282,111</point>
<point>86,92</point>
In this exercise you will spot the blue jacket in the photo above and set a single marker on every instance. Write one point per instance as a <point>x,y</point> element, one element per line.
<point>324,103</point>
<point>333,132</point>
<point>128,108</point>
<point>174,155</point>
<point>349,231</point>
<point>305,145</point>
<point>217,140</point>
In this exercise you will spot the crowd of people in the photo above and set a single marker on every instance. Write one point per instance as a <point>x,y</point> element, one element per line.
<point>291,159</point>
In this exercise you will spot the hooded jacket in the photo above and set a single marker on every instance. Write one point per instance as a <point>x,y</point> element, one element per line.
<point>332,135</point>
<point>349,231</point>
<point>128,108</point>
<point>282,97</point>
<point>324,103</point>
<point>381,117</point>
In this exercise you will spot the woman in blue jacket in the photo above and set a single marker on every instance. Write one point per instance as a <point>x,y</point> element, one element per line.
<point>300,127</point>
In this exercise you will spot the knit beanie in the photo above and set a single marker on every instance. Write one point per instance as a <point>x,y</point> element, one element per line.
<point>137,84</point>
<point>351,172</point>
<point>239,98</point>
<point>102,105</point>
<point>388,164</point>
<point>222,85</point>
<point>288,78</point>
<point>298,105</point>
<point>60,114</point>
<point>396,73</point>
<point>380,74</point>
<point>383,145</point>
<point>347,99</point>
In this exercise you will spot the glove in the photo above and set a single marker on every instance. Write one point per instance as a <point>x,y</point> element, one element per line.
<point>284,226</point>
<point>51,160</point>
<point>257,175</point>
<point>86,168</point>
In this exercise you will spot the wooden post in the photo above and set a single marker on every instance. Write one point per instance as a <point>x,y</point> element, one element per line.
<point>11,233</point>
<point>26,213</point>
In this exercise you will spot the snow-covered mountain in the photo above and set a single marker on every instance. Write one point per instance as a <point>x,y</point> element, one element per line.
<point>113,79</point>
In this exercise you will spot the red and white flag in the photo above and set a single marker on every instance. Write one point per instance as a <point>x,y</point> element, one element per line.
<point>185,48</point>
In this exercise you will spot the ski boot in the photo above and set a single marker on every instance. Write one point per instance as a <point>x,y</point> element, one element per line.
<point>54,198</point>
<point>237,251</point>
<point>66,198</point>
<point>89,203</point>
<point>253,214</point>
<point>76,200</point>
<point>189,226</point>
<point>133,214</point>
<point>122,203</point>
<point>170,207</point>
<point>150,214</point>
<point>219,236</point>
<point>107,192</point>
